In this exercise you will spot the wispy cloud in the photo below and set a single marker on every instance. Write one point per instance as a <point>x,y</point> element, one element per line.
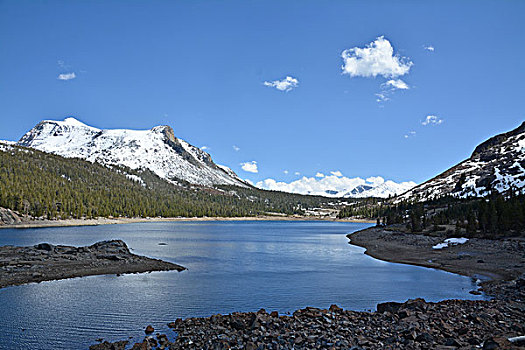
<point>432,120</point>
<point>285,172</point>
<point>396,84</point>
<point>67,76</point>
<point>376,58</point>
<point>285,84</point>
<point>336,173</point>
<point>63,65</point>
<point>297,173</point>
<point>389,87</point>
<point>204,148</point>
<point>319,175</point>
<point>250,167</point>
<point>236,149</point>
<point>410,134</point>
<point>383,96</point>
<point>429,48</point>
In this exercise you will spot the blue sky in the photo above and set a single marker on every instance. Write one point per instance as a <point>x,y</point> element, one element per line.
<point>200,66</point>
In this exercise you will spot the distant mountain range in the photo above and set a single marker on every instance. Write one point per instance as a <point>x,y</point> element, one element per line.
<point>169,157</point>
<point>383,190</point>
<point>156,149</point>
<point>496,166</point>
<point>339,186</point>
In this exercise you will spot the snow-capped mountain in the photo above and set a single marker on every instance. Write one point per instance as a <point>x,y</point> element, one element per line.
<point>337,185</point>
<point>384,190</point>
<point>157,150</point>
<point>496,165</point>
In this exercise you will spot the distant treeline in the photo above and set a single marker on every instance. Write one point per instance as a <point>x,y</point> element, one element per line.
<point>494,216</point>
<point>45,185</point>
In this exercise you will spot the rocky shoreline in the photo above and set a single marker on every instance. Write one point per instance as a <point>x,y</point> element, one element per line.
<point>45,262</point>
<point>415,324</point>
<point>495,261</point>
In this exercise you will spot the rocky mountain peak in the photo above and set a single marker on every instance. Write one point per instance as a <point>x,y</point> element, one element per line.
<point>497,165</point>
<point>157,149</point>
<point>166,130</point>
<point>497,140</point>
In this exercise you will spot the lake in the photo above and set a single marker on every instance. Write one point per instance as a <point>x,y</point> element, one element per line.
<point>232,266</point>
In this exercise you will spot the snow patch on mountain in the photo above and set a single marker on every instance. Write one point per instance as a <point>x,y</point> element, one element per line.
<point>6,145</point>
<point>496,166</point>
<point>156,149</point>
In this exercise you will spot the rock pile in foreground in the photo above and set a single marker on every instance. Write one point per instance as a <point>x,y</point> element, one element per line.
<point>44,262</point>
<point>415,324</point>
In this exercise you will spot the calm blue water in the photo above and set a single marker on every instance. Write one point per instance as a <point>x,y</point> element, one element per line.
<point>232,266</point>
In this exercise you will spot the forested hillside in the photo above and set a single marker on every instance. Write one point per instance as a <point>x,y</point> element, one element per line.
<point>494,216</point>
<point>45,185</point>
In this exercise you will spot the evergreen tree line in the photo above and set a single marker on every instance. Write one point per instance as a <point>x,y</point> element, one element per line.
<point>44,185</point>
<point>494,216</point>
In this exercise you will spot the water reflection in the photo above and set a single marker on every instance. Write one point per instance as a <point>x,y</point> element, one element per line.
<point>232,266</point>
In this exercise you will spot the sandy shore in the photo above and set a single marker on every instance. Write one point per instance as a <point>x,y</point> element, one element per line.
<point>113,221</point>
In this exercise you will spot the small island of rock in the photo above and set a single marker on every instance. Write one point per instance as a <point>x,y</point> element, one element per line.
<point>45,262</point>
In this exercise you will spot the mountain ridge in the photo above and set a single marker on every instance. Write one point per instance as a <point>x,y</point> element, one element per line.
<point>496,165</point>
<point>156,149</point>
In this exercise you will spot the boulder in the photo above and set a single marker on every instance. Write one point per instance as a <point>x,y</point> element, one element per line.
<point>8,217</point>
<point>45,246</point>
<point>120,345</point>
<point>391,307</point>
<point>149,329</point>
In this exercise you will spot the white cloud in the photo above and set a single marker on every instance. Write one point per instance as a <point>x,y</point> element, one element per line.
<point>336,173</point>
<point>431,120</point>
<point>389,87</point>
<point>67,76</point>
<point>429,48</point>
<point>376,180</point>
<point>236,149</point>
<point>297,173</point>
<point>285,84</point>
<point>396,84</point>
<point>204,148</point>
<point>250,167</point>
<point>312,185</point>
<point>319,175</point>
<point>331,185</point>
<point>285,172</point>
<point>376,58</point>
<point>410,134</point>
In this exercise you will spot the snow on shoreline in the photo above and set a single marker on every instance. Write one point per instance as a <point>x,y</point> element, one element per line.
<point>450,242</point>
